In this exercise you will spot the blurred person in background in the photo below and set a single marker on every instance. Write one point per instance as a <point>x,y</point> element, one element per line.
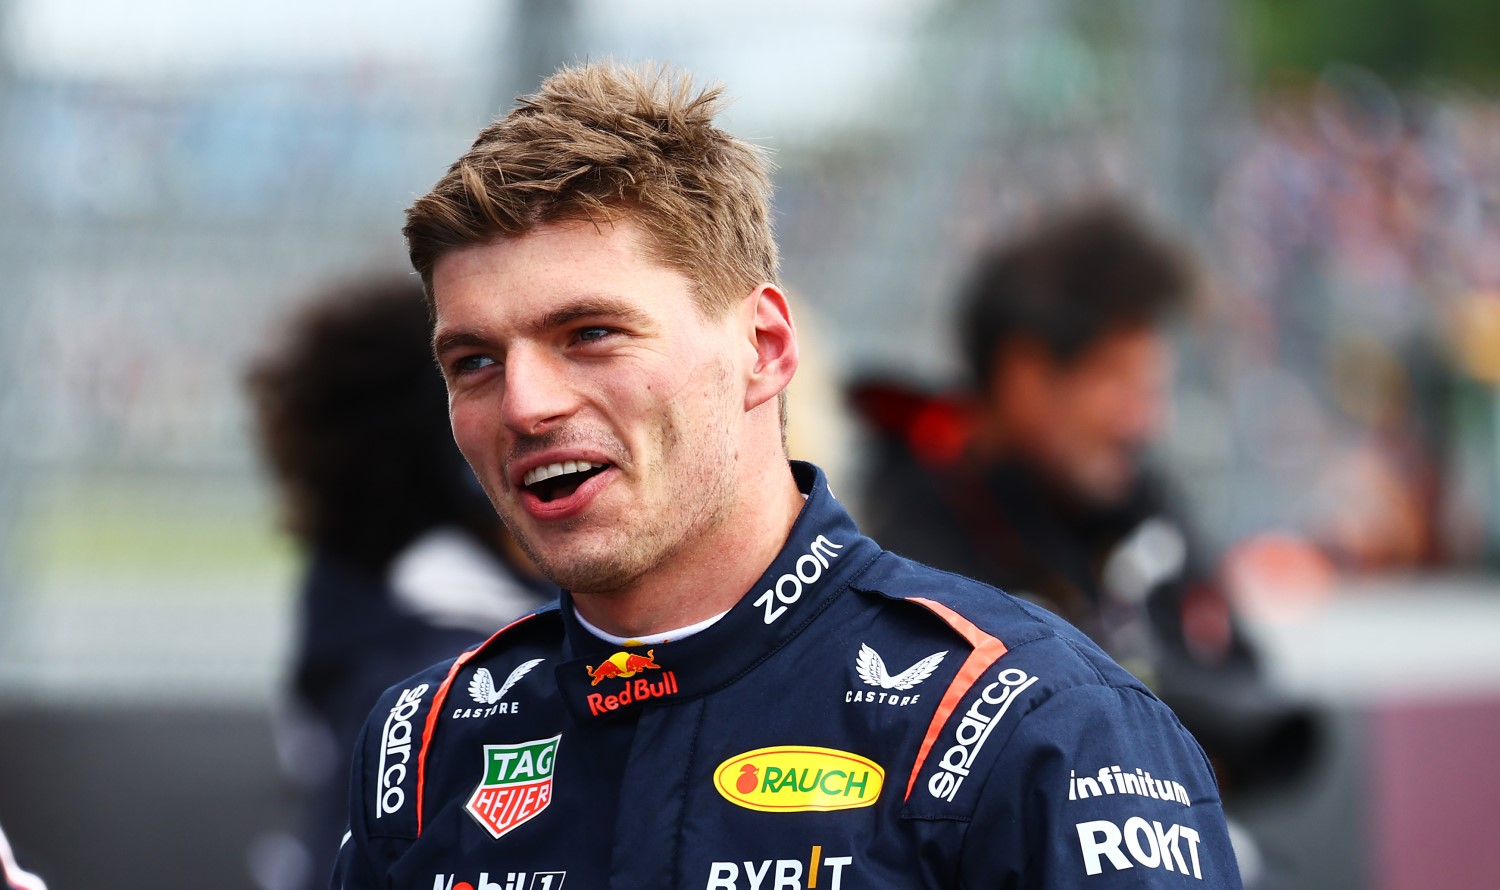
<point>406,560</point>
<point>1036,480</point>
<point>11,872</point>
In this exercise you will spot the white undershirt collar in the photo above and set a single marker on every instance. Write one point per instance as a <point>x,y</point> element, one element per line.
<point>650,639</point>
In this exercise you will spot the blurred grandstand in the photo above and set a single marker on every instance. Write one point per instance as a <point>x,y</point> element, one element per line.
<point>1339,386</point>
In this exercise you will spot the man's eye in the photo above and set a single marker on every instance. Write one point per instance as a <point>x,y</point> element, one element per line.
<point>472,363</point>
<point>590,335</point>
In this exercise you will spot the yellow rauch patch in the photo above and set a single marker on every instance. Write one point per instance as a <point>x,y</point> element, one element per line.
<point>798,778</point>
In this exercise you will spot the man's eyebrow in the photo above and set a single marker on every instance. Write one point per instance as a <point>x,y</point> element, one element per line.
<point>443,341</point>
<point>590,307</point>
<point>587,307</point>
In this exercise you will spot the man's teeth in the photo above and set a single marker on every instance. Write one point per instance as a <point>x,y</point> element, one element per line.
<point>541,474</point>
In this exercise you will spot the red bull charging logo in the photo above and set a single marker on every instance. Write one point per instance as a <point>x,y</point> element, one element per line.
<point>624,666</point>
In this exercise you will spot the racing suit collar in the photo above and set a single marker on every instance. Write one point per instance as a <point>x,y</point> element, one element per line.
<point>822,553</point>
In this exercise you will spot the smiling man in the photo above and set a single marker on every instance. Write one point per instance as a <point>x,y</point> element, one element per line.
<point>736,689</point>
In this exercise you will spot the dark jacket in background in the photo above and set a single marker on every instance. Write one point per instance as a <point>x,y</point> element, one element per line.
<point>1131,576</point>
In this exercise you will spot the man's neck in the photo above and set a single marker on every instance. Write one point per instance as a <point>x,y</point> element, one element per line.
<point>710,573</point>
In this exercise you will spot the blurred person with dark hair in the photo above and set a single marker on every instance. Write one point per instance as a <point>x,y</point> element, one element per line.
<point>1037,481</point>
<point>406,560</point>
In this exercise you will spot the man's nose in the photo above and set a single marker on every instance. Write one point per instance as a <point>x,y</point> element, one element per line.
<point>538,392</point>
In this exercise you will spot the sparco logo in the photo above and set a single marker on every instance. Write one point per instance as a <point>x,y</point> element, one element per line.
<point>788,588</point>
<point>395,742</point>
<point>975,729</point>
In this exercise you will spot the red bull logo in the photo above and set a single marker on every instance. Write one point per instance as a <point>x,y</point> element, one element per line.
<point>624,665</point>
<point>637,690</point>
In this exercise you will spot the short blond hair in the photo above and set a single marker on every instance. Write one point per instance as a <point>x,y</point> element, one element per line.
<point>600,141</point>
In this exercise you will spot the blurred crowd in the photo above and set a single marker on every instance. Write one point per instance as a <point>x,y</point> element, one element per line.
<point>1360,240</point>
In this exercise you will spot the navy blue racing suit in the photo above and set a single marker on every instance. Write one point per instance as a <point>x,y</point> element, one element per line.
<point>857,720</point>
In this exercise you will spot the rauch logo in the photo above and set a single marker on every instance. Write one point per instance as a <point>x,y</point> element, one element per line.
<point>797,779</point>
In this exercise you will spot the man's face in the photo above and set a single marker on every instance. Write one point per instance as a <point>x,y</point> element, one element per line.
<point>568,353</point>
<point>1086,422</point>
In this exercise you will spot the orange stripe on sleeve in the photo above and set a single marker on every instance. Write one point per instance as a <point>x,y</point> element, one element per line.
<point>437,708</point>
<point>986,650</point>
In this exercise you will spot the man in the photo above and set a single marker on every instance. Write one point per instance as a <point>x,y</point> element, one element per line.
<point>1040,486</point>
<point>737,689</point>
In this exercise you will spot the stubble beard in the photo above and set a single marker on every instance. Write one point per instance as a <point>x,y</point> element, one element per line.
<point>696,499</point>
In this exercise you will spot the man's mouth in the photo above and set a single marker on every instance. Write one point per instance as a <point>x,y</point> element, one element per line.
<point>559,480</point>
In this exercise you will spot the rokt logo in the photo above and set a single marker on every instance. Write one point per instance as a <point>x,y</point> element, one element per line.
<point>514,880</point>
<point>517,784</point>
<point>482,690</point>
<point>788,588</point>
<point>395,741</point>
<point>1149,843</point>
<point>799,779</point>
<point>787,873</point>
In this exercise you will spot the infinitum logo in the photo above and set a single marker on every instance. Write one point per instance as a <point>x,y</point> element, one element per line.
<point>1112,780</point>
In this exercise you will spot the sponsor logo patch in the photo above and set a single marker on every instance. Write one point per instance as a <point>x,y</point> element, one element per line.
<point>625,666</point>
<point>791,779</point>
<point>787,590</point>
<point>870,668</point>
<point>517,784</point>
<point>482,690</point>
<point>510,880</point>
<point>781,874</point>
<point>1113,780</point>
<point>1149,844</point>
<point>974,730</point>
<point>395,752</point>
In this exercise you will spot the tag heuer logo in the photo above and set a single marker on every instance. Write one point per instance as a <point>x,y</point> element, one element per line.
<point>517,784</point>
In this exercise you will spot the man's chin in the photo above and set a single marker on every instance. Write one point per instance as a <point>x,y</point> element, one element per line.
<point>579,572</point>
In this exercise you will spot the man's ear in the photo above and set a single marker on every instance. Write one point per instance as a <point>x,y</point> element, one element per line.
<point>775,342</point>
